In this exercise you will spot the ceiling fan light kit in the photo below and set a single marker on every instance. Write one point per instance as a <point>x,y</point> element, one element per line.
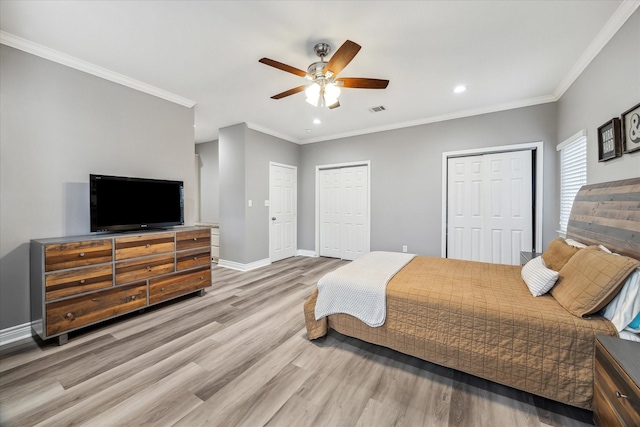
<point>325,89</point>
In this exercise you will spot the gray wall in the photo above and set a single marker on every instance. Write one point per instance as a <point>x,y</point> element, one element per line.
<point>406,173</point>
<point>209,181</point>
<point>244,175</point>
<point>262,149</point>
<point>609,86</point>
<point>58,126</point>
<point>231,145</point>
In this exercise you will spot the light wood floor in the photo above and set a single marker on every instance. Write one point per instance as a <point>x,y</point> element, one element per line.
<point>239,357</point>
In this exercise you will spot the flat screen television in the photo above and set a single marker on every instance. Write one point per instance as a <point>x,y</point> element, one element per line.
<point>120,203</point>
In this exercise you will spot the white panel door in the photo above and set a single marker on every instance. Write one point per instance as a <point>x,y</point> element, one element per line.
<point>355,239</point>
<point>465,238</point>
<point>489,207</point>
<point>331,213</point>
<point>283,203</point>
<point>344,212</point>
<point>508,193</point>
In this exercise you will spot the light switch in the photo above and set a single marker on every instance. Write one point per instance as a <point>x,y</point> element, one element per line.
<point>266,203</point>
<point>250,203</point>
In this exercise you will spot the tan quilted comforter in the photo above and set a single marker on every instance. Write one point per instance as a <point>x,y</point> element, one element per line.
<point>481,319</point>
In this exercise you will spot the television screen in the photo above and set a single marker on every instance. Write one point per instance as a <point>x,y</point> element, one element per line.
<point>122,203</point>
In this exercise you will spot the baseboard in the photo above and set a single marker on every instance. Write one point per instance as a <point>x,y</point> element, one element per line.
<point>244,267</point>
<point>15,333</point>
<point>305,252</point>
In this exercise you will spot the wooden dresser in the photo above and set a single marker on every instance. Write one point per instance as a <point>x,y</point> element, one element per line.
<point>82,280</point>
<point>616,396</point>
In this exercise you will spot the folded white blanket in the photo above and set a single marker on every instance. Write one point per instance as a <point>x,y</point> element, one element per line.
<point>359,288</point>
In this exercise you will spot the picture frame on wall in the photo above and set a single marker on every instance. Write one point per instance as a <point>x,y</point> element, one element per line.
<point>609,143</point>
<point>630,121</point>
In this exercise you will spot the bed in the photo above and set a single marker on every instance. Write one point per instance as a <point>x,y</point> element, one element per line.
<point>482,318</point>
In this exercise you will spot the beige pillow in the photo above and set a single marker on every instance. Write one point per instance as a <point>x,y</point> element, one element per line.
<point>590,279</point>
<point>558,253</point>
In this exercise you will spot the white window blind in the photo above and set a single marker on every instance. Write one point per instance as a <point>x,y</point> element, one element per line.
<point>573,174</point>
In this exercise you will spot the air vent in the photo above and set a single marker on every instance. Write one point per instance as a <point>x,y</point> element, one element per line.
<point>377,109</point>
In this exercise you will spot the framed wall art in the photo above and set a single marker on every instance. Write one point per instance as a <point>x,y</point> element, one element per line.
<point>631,129</point>
<point>609,144</point>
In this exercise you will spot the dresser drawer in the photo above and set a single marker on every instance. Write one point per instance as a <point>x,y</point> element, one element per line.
<point>616,389</point>
<point>69,314</point>
<point>72,282</point>
<point>604,414</point>
<point>193,239</point>
<point>174,285</point>
<point>193,258</point>
<point>143,245</point>
<point>143,268</point>
<point>77,254</point>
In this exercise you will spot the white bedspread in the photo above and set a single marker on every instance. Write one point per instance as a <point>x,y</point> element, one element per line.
<point>359,288</point>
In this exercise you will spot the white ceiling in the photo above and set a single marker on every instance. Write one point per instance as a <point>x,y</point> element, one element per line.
<point>508,53</point>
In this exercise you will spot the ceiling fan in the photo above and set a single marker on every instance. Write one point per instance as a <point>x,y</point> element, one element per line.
<point>325,89</point>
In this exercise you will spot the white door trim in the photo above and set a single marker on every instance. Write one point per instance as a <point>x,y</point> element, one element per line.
<point>538,146</point>
<point>366,163</point>
<point>295,206</point>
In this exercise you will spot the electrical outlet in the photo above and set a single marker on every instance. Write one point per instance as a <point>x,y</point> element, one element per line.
<point>250,203</point>
<point>404,248</point>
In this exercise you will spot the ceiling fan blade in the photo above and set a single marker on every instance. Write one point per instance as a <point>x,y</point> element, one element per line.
<point>334,105</point>
<point>283,67</point>
<point>289,92</point>
<point>342,57</point>
<point>362,83</point>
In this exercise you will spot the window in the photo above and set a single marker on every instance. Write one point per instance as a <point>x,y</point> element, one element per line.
<point>573,174</point>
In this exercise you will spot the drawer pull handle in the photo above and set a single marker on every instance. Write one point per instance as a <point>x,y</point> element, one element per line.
<point>161,289</point>
<point>148,268</point>
<point>132,297</point>
<point>195,258</point>
<point>81,253</point>
<point>69,316</point>
<point>620,395</point>
<point>195,238</point>
<point>82,282</point>
<point>201,277</point>
<point>147,245</point>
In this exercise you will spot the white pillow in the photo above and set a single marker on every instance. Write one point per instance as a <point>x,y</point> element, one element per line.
<point>538,277</point>
<point>625,306</point>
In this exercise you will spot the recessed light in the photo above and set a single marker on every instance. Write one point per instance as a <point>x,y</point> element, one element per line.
<point>459,89</point>
<point>316,121</point>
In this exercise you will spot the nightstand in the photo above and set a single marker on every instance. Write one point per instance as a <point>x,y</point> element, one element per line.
<point>526,256</point>
<point>616,391</point>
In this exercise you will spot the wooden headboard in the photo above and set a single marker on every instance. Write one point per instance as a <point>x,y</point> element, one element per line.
<point>608,214</point>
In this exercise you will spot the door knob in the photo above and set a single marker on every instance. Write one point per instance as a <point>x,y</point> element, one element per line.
<point>273,218</point>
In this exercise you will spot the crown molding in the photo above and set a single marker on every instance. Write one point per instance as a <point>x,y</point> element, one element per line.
<point>272,132</point>
<point>25,45</point>
<point>442,118</point>
<point>611,27</point>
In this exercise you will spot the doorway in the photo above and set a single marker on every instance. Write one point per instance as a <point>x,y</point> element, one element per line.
<point>492,203</point>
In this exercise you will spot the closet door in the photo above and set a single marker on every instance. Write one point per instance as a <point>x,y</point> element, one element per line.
<point>490,207</point>
<point>508,217</point>
<point>331,205</point>
<point>344,212</point>
<point>465,208</point>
